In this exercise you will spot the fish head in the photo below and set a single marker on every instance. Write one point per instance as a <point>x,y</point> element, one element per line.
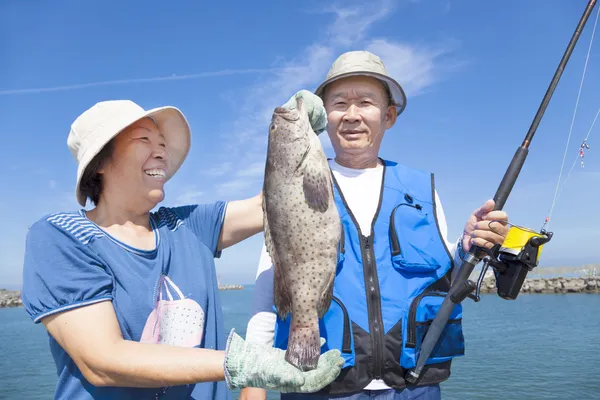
<point>289,124</point>
<point>290,135</point>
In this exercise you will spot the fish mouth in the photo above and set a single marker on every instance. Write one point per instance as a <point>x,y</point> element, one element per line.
<point>291,114</point>
<point>287,114</point>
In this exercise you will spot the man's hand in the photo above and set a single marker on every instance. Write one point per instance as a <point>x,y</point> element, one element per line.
<point>481,231</point>
<point>313,106</point>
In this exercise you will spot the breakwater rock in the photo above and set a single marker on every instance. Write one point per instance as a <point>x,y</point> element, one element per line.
<point>230,287</point>
<point>550,285</point>
<point>9,298</point>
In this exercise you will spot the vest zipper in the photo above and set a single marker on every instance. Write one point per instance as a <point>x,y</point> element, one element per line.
<point>373,305</point>
<point>371,280</point>
<point>346,348</point>
<point>411,341</point>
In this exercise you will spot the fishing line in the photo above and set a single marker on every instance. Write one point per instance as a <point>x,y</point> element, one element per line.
<point>577,157</point>
<point>547,221</point>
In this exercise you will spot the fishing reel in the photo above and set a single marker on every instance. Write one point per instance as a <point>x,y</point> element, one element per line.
<point>512,261</point>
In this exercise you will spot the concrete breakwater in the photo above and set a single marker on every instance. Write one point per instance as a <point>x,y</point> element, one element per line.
<point>549,285</point>
<point>12,298</point>
<point>9,298</point>
<point>230,287</point>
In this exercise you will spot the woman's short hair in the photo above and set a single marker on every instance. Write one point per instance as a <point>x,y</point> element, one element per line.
<point>91,181</point>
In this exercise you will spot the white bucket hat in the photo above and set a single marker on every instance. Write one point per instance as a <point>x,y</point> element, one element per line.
<point>93,129</point>
<point>364,63</point>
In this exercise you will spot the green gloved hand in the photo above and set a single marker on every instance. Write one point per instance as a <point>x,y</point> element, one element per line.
<point>313,106</point>
<point>254,365</point>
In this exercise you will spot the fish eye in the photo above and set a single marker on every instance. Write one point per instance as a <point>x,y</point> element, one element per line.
<point>272,127</point>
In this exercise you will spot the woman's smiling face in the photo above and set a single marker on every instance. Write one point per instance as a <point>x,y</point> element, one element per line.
<point>138,165</point>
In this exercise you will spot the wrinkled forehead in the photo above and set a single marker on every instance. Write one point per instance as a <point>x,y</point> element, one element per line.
<point>354,93</point>
<point>356,87</point>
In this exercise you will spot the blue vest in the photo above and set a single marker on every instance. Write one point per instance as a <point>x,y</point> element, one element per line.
<point>388,287</point>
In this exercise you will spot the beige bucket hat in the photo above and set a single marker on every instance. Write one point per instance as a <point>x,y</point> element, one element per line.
<point>368,64</point>
<point>93,129</point>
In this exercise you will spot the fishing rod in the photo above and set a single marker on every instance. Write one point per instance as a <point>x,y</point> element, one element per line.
<point>511,269</point>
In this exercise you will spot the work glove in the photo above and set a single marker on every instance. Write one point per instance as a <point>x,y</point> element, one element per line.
<point>313,106</point>
<point>253,365</point>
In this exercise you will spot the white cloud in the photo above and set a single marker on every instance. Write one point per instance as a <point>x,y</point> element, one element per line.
<point>254,170</point>
<point>189,195</point>
<point>415,67</point>
<point>352,23</point>
<point>218,170</point>
<point>235,186</point>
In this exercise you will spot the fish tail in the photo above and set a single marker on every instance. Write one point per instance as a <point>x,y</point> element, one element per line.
<point>304,346</point>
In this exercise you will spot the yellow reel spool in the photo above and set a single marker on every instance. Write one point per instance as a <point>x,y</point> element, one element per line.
<point>517,238</point>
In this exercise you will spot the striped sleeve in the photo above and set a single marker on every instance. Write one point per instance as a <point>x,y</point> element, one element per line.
<point>60,272</point>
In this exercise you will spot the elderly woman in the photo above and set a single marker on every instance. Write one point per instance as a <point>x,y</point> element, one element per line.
<point>128,296</point>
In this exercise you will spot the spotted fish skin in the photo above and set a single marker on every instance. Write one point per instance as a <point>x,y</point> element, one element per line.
<point>302,230</point>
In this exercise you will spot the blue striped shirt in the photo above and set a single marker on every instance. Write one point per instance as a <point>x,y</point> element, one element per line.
<point>70,262</point>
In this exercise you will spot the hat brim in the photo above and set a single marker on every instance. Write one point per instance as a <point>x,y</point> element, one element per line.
<point>171,123</point>
<point>396,90</point>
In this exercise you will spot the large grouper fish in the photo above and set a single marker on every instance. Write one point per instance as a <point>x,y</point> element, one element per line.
<point>302,230</point>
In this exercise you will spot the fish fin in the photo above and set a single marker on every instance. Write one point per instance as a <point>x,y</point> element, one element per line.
<point>281,296</point>
<point>303,159</point>
<point>326,296</point>
<point>317,181</point>
<point>304,347</point>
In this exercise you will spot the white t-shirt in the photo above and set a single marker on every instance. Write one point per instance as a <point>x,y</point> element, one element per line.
<point>361,189</point>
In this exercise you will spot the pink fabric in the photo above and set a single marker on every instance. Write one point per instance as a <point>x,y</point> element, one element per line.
<point>176,322</point>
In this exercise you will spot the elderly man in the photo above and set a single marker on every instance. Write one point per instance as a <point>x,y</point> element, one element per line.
<point>396,263</point>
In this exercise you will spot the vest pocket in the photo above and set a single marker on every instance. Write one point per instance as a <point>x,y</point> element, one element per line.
<point>346,346</point>
<point>335,327</point>
<point>414,240</point>
<point>337,330</point>
<point>421,313</point>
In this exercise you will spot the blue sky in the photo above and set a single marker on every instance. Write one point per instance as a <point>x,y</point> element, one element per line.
<point>474,72</point>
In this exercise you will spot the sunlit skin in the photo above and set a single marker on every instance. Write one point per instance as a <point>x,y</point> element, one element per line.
<point>358,114</point>
<point>139,150</point>
<point>133,184</point>
<point>133,180</point>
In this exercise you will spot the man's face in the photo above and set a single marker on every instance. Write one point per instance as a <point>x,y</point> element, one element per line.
<point>358,114</point>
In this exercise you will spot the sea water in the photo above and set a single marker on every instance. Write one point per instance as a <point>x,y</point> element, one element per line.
<point>539,346</point>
